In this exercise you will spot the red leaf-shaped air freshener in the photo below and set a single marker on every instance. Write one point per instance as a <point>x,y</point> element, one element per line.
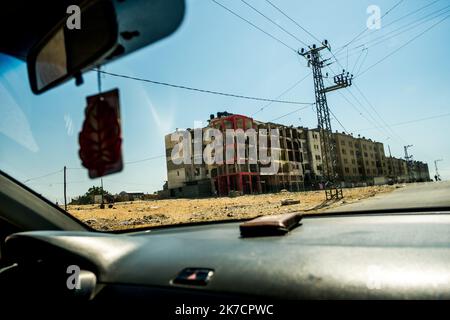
<point>100,138</point>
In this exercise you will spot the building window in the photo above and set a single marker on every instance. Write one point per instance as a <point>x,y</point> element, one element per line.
<point>240,123</point>
<point>317,157</point>
<point>345,160</point>
<point>344,151</point>
<point>347,170</point>
<point>178,173</point>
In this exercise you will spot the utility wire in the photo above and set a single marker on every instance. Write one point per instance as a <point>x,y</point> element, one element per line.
<point>376,112</point>
<point>146,159</point>
<point>292,20</point>
<point>404,45</point>
<point>410,121</point>
<point>362,106</point>
<point>127,162</point>
<point>405,16</point>
<point>43,176</point>
<point>406,28</point>
<point>335,118</point>
<point>365,29</point>
<point>357,60</point>
<point>282,94</point>
<point>288,114</point>
<point>201,90</point>
<point>362,62</point>
<point>255,26</point>
<point>273,22</point>
<point>372,117</point>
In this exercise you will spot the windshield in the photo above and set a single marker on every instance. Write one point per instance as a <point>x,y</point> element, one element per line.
<point>247,110</point>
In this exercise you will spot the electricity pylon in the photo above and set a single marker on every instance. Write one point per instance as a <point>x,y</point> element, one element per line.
<point>333,190</point>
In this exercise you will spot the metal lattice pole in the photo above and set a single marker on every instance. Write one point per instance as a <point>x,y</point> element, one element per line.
<point>328,143</point>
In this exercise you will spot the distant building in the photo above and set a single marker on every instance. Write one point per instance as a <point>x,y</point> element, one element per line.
<point>131,195</point>
<point>359,159</point>
<point>420,171</point>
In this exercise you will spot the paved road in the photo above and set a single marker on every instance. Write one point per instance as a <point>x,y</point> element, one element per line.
<point>412,195</point>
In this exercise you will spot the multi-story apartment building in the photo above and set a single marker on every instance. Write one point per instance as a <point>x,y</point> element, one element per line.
<point>397,169</point>
<point>359,159</point>
<point>190,179</point>
<point>347,157</point>
<point>313,165</point>
<point>299,166</point>
<point>419,171</point>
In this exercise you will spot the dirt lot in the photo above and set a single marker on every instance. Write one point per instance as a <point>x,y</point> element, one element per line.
<point>127,215</point>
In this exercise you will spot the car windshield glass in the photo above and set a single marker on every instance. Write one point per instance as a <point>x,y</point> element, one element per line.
<point>247,110</point>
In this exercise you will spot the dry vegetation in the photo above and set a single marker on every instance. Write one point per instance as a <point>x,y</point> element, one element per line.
<point>127,215</point>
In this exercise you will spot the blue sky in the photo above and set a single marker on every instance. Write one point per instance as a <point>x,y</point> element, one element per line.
<point>215,50</point>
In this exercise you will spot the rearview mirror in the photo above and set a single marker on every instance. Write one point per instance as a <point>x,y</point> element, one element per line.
<point>66,50</point>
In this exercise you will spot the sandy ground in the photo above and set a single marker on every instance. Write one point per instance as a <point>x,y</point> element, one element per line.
<point>128,215</point>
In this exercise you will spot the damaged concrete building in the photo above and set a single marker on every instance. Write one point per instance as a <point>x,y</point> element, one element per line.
<point>361,161</point>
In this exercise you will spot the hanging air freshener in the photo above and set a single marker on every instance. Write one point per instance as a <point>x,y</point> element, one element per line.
<point>100,138</point>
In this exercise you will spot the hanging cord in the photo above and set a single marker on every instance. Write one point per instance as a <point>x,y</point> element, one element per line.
<point>99,80</point>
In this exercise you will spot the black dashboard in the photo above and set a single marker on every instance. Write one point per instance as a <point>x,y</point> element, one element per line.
<point>401,256</point>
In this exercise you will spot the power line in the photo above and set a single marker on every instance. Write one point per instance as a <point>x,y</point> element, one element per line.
<point>357,100</point>
<point>335,118</point>
<point>404,45</point>
<point>128,162</point>
<point>410,121</point>
<point>255,26</point>
<point>146,159</point>
<point>376,112</point>
<point>406,28</point>
<point>371,116</point>
<point>365,29</point>
<point>201,90</point>
<point>43,176</point>
<point>357,60</point>
<point>273,22</point>
<point>292,20</point>
<point>405,16</point>
<point>362,62</point>
<point>288,114</point>
<point>386,37</point>
<point>400,139</point>
<point>356,108</point>
<point>282,94</point>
